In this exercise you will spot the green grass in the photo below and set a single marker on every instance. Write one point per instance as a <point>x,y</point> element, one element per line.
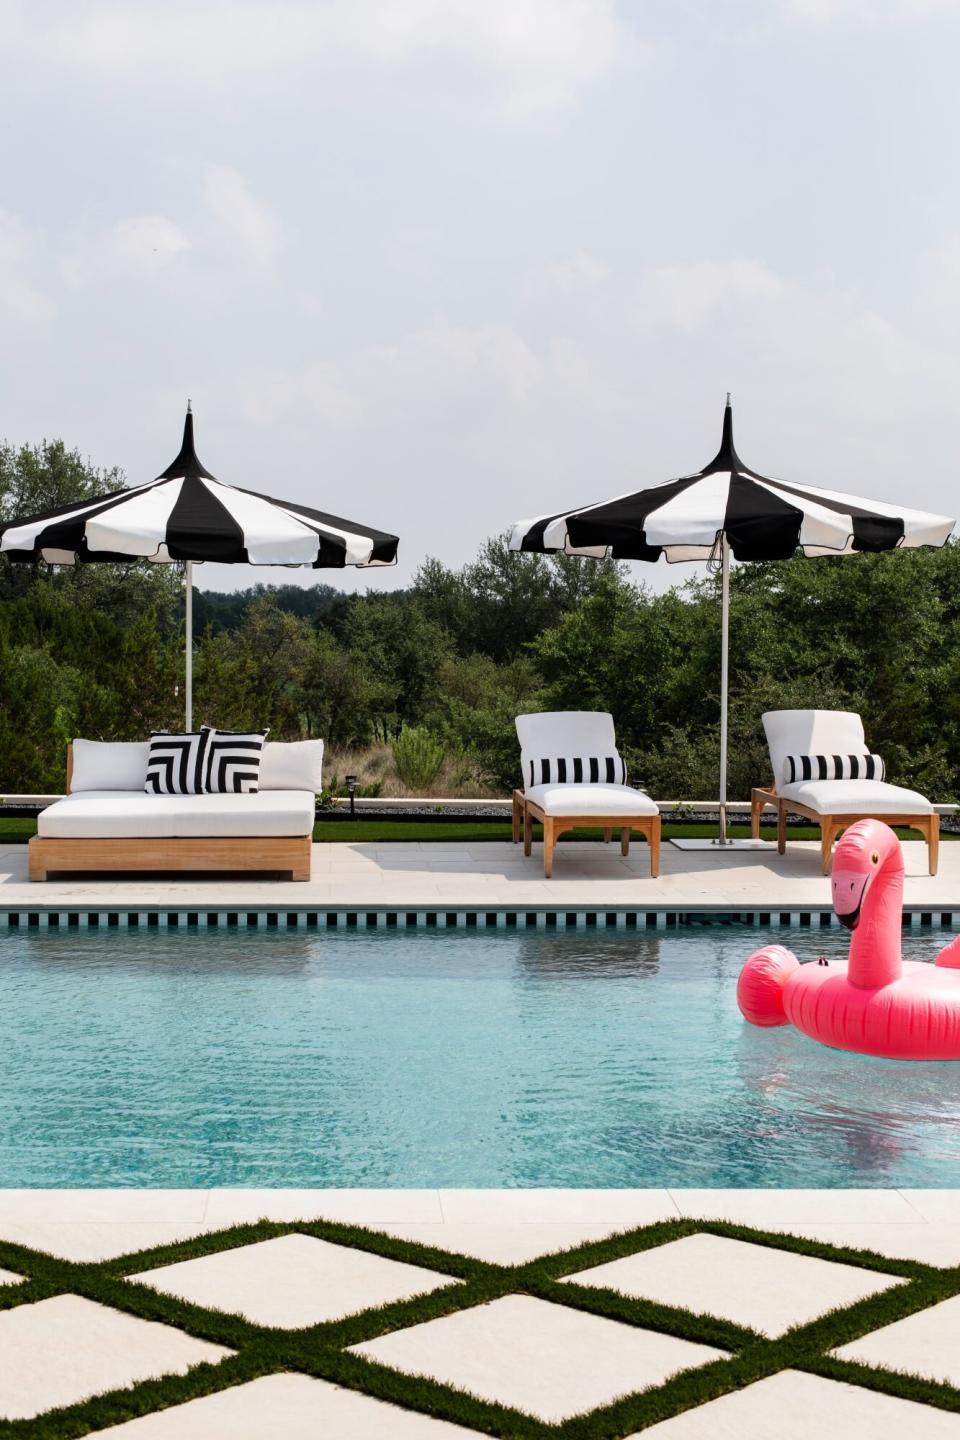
<point>320,1350</point>
<point>15,831</point>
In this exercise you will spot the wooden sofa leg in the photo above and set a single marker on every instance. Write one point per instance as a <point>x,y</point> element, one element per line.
<point>781,828</point>
<point>654,840</point>
<point>549,840</point>
<point>517,817</point>
<point>35,866</point>
<point>625,840</point>
<point>607,835</point>
<point>527,831</point>
<point>933,843</point>
<point>828,833</point>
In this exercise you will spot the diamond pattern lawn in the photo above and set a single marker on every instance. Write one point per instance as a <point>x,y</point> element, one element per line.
<point>546,1359</point>
<point>292,1406</point>
<point>793,1406</point>
<point>57,1351</point>
<point>926,1343</point>
<point>766,1290</point>
<point>292,1281</point>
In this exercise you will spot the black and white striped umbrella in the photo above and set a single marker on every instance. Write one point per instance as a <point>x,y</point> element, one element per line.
<point>728,508</point>
<point>188,515</point>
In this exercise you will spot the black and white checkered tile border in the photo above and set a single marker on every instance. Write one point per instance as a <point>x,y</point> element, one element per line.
<point>524,919</point>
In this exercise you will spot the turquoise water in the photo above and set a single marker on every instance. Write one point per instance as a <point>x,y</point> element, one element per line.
<point>500,1058</point>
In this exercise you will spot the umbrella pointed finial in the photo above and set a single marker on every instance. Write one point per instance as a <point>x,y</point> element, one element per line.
<point>729,402</point>
<point>190,407</point>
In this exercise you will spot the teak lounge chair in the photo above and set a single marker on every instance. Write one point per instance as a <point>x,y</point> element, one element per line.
<point>566,758</point>
<point>834,804</point>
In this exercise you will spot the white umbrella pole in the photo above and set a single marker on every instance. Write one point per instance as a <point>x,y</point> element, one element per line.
<point>724,682</point>
<point>188,627</point>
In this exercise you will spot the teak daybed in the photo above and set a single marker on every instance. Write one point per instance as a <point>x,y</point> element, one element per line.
<point>833,804</point>
<point>116,826</point>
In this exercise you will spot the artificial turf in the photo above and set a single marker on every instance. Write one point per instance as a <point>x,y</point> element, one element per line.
<point>320,1350</point>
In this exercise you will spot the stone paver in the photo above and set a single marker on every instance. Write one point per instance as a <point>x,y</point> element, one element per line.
<point>291,1281</point>
<point>7,1277</point>
<point>294,1407</point>
<point>794,1406</point>
<point>926,1343</point>
<point>416,876</point>
<point>545,1359</point>
<point>766,1290</point>
<point>502,1244</point>
<point>780,1209</point>
<point>64,1349</point>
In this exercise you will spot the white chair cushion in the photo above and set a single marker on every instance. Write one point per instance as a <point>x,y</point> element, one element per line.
<point>552,733</point>
<point>121,814</point>
<point>109,764</point>
<point>856,797</point>
<point>599,800</point>
<point>811,732</point>
<point>292,765</point>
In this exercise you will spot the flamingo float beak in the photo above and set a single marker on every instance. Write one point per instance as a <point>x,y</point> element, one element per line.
<point>849,888</point>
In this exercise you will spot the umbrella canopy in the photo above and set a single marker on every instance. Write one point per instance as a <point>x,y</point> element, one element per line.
<point>188,515</point>
<point>758,517</point>
<point>728,508</point>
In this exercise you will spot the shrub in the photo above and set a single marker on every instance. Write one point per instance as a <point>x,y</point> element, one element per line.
<point>417,756</point>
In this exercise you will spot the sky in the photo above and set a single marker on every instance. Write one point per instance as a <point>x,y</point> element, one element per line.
<point>437,265</point>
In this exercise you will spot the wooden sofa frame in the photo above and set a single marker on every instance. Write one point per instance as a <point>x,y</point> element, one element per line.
<point>832,826</point>
<point>287,853</point>
<point>526,811</point>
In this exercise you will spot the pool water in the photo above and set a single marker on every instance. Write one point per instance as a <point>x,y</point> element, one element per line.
<point>440,1058</point>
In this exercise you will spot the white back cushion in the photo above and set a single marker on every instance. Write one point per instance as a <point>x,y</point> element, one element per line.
<point>292,765</point>
<point>564,732</point>
<point>811,732</point>
<point>109,764</point>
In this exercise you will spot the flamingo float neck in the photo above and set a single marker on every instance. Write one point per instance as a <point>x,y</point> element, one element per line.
<point>867,882</point>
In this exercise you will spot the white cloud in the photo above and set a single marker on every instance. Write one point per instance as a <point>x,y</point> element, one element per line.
<point>245,228</point>
<point>20,300</point>
<point>147,244</point>
<point>819,339</point>
<point>528,56</point>
<point>580,275</point>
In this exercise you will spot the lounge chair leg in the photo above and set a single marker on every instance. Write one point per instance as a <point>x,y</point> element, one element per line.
<point>607,836</point>
<point>549,840</point>
<point>933,843</point>
<point>756,810</point>
<point>625,841</point>
<point>781,828</point>
<point>527,831</point>
<point>828,832</point>
<point>517,817</point>
<point>654,840</point>
<point>35,866</point>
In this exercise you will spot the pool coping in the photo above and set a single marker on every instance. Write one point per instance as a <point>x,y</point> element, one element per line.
<point>56,915</point>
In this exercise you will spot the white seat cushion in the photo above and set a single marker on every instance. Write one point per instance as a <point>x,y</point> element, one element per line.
<point>599,800</point>
<point>856,797</point>
<point>124,814</point>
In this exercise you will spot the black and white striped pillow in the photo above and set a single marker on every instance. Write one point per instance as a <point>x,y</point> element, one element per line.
<point>578,770</point>
<point>832,767</point>
<point>233,762</point>
<point>176,764</point>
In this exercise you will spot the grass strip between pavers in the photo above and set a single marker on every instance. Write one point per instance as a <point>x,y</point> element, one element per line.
<point>321,1350</point>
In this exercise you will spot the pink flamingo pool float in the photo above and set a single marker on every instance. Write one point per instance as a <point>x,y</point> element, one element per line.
<point>876,1002</point>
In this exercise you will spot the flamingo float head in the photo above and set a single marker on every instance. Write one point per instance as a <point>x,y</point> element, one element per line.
<point>864,852</point>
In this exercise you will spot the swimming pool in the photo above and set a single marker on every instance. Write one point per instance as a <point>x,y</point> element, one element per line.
<point>203,1057</point>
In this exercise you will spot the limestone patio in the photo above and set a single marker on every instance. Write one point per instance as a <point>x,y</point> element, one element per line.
<point>494,875</point>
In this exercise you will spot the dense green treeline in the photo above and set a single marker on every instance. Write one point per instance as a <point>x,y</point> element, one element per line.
<point>97,651</point>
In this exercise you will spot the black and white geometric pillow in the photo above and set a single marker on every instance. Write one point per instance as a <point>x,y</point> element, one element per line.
<point>832,767</point>
<point>176,764</point>
<point>233,761</point>
<point>578,770</point>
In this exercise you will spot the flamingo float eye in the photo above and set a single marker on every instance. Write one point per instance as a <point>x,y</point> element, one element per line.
<point>875,858</point>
